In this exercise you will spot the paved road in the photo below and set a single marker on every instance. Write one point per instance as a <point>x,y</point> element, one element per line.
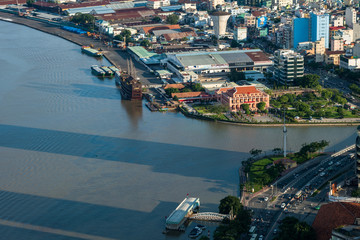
<point>307,177</point>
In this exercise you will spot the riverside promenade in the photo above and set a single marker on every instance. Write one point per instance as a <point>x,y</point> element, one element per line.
<point>115,56</point>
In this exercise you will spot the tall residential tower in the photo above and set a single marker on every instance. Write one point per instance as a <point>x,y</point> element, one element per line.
<point>320,27</point>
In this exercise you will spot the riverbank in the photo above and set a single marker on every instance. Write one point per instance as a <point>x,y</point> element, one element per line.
<point>115,56</point>
<point>202,117</point>
<point>119,59</point>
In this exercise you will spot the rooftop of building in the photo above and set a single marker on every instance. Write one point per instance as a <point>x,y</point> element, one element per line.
<point>180,212</point>
<point>349,231</point>
<point>174,85</point>
<point>189,94</point>
<point>240,90</point>
<point>333,215</point>
<point>336,28</point>
<point>221,57</point>
<point>141,52</point>
<point>219,13</point>
<point>150,29</point>
<point>131,13</point>
<point>328,52</point>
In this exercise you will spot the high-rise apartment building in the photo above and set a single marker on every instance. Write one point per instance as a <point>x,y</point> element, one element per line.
<point>320,27</point>
<point>300,31</point>
<point>350,17</point>
<point>288,65</point>
<point>320,50</point>
<point>240,33</point>
<point>220,22</point>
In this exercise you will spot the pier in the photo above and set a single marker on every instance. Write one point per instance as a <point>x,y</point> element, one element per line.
<point>209,216</point>
<point>185,209</point>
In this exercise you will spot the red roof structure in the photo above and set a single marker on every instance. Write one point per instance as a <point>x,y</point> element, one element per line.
<point>336,28</point>
<point>163,27</point>
<point>7,2</point>
<point>129,14</point>
<point>174,85</point>
<point>333,215</point>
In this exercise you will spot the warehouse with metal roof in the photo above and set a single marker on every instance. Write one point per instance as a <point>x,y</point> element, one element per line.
<point>93,10</point>
<point>218,61</point>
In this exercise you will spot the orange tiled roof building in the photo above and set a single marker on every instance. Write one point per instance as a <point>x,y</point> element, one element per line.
<point>334,215</point>
<point>234,97</point>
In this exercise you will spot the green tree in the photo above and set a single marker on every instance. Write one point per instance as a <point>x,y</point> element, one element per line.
<point>261,106</point>
<point>245,107</point>
<point>30,2</point>
<point>292,229</point>
<point>156,19</point>
<point>125,34</point>
<point>175,98</point>
<point>236,76</point>
<point>172,19</point>
<point>339,99</point>
<point>230,203</point>
<point>169,91</point>
<point>234,44</point>
<point>284,99</point>
<point>277,151</point>
<point>308,81</point>
<point>255,152</point>
<point>341,112</point>
<point>145,43</point>
<point>87,20</point>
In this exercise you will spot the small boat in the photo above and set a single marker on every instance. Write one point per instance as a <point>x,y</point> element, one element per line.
<point>195,232</point>
<point>107,71</point>
<point>96,70</point>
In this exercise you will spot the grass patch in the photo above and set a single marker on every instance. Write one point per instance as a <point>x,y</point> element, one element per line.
<point>262,172</point>
<point>273,199</point>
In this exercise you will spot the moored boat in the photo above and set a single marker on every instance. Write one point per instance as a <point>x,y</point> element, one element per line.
<point>90,51</point>
<point>96,70</point>
<point>130,88</point>
<point>107,71</point>
<point>114,69</point>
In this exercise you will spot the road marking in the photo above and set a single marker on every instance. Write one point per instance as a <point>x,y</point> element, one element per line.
<point>52,230</point>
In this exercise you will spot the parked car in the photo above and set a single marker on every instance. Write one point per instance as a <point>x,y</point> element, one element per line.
<point>266,199</point>
<point>283,205</point>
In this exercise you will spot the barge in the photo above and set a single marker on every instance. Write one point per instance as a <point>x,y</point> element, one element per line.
<point>96,70</point>
<point>107,70</point>
<point>90,51</point>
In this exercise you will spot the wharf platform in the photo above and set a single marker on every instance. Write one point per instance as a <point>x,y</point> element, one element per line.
<point>185,209</point>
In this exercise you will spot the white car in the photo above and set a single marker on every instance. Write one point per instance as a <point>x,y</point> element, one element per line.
<point>266,199</point>
<point>322,174</point>
<point>282,205</point>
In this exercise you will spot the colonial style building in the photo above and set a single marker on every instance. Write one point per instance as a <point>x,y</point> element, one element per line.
<point>234,97</point>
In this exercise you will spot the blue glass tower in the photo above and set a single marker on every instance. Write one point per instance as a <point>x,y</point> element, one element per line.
<point>320,27</point>
<point>301,30</point>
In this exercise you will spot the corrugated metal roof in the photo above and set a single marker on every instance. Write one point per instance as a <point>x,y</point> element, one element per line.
<point>141,52</point>
<point>220,58</point>
<point>97,9</point>
<point>125,5</point>
<point>180,212</point>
